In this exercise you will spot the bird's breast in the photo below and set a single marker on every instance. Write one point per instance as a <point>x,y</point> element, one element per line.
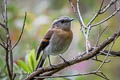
<point>59,43</point>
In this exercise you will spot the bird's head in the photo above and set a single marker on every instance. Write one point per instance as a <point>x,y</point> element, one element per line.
<point>63,22</point>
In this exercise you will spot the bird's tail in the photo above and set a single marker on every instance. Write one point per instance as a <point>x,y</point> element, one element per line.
<point>38,53</point>
<point>41,61</point>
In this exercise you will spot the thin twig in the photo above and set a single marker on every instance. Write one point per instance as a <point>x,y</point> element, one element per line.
<point>7,35</point>
<point>61,76</point>
<point>96,15</point>
<point>2,41</point>
<point>74,10</point>
<point>2,13</point>
<point>106,57</point>
<point>77,12</point>
<point>48,75</point>
<point>2,25</point>
<point>106,19</point>
<point>2,45</point>
<point>102,75</point>
<point>112,53</point>
<point>79,15</point>
<point>83,27</point>
<point>101,60</point>
<point>21,31</point>
<point>108,6</point>
<point>99,36</point>
<point>5,7</point>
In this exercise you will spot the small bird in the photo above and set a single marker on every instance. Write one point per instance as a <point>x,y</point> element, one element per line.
<point>56,41</point>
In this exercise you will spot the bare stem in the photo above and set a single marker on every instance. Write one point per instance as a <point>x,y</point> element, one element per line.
<point>96,15</point>
<point>108,6</point>
<point>62,76</point>
<point>9,46</point>
<point>106,19</point>
<point>21,32</point>
<point>106,56</point>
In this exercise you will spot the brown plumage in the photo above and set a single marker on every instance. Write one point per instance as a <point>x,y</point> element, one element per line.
<point>44,42</point>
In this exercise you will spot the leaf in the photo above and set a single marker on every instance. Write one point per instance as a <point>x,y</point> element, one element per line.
<point>24,66</point>
<point>32,60</point>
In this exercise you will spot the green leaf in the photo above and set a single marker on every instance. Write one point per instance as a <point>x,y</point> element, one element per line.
<point>32,60</point>
<point>24,66</point>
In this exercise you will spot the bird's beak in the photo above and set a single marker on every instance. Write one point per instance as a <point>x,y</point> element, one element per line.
<point>72,19</point>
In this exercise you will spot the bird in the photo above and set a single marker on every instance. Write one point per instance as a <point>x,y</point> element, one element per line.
<point>56,41</point>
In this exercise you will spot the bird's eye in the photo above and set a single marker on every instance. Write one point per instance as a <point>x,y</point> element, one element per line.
<point>63,21</point>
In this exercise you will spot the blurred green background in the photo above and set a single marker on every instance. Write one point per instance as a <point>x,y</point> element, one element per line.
<point>41,13</point>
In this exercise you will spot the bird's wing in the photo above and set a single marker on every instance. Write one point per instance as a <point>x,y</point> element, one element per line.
<point>44,43</point>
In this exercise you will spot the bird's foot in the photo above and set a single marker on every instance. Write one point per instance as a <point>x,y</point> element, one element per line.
<point>52,66</point>
<point>64,60</point>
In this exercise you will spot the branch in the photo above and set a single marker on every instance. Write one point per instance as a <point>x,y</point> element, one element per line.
<point>107,55</point>
<point>2,25</point>
<point>99,36</point>
<point>7,63</point>
<point>112,53</point>
<point>101,11</point>
<point>2,13</point>
<point>106,19</point>
<point>108,6</point>
<point>9,66</point>
<point>77,12</point>
<point>9,52</point>
<point>78,59</point>
<point>88,46</point>
<point>21,32</point>
<point>2,40</point>
<point>96,15</point>
<point>80,74</point>
<point>101,60</point>
<point>2,45</point>
<point>79,15</point>
<point>8,45</point>
<point>49,75</point>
